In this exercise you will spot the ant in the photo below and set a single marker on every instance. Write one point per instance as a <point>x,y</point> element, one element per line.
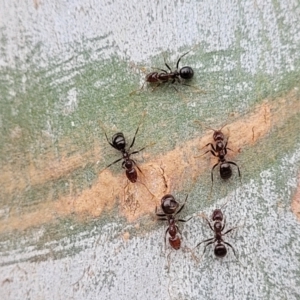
<point>166,76</point>
<point>220,151</point>
<point>170,208</point>
<point>220,248</point>
<point>119,143</point>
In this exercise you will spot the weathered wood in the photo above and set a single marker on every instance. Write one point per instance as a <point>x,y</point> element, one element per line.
<point>69,72</point>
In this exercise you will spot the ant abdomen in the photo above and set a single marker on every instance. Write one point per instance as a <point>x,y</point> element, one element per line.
<point>131,174</point>
<point>225,170</point>
<point>220,250</point>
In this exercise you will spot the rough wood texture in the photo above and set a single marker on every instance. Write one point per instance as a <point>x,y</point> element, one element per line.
<point>70,71</point>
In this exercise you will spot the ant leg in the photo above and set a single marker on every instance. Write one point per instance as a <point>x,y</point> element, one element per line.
<point>231,162</point>
<point>224,224</point>
<point>211,239</point>
<point>110,142</point>
<point>212,146</point>
<point>159,215</point>
<point>135,152</point>
<point>230,230</point>
<point>167,64</point>
<point>160,70</point>
<point>211,151</point>
<point>232,249</point>
<point>177,64</point>
<point>132,143</point>
<point>181,220</point>
<point>177,228</point>
<point>138,167</point>
<point>166,238</point>
<point>212,172</point>
<point>182,206</point>
<point>156,87</point>
<point>192,86</point>
<point>207,245</point>
<point>112,163</point>
<point>136,91</point>
<point>226,148</point>
<point>208,223</point>
<point>162,219</point>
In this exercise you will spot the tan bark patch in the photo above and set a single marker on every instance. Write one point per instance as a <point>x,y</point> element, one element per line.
<point>161,175</point>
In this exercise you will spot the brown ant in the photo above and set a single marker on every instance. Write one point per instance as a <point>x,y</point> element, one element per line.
<point>220,248</point>
<point>170,208</point>
<point>220,151</point>
<point>119,143</point>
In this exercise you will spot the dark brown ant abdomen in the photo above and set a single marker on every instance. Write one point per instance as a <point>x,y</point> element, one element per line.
<point>225,170</point>
<point>131,174</point>
<point>220,250</point>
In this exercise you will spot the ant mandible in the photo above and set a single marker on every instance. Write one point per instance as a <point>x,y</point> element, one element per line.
<point>119,143</point>
<point>220,151</point>
<point>220,248</point>
<point>166,76</point>
<point>170,208</point>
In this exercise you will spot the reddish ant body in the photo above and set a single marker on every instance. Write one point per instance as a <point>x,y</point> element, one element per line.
<point>119,143</point>
<point>166,76</point>
<point>220,248</point>
<point>170,208</point>
<point>220,151</point>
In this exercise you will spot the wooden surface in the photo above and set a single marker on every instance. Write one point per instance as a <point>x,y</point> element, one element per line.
<point>71,71</point>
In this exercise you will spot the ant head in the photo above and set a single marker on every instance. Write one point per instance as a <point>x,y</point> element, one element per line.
<point>118,140</point>
<point>220,250</point>
<point>225,170</point>
<point>169,204</point>
<point>217,215</point>
<point>218,135</point>
<point>186,72</point>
